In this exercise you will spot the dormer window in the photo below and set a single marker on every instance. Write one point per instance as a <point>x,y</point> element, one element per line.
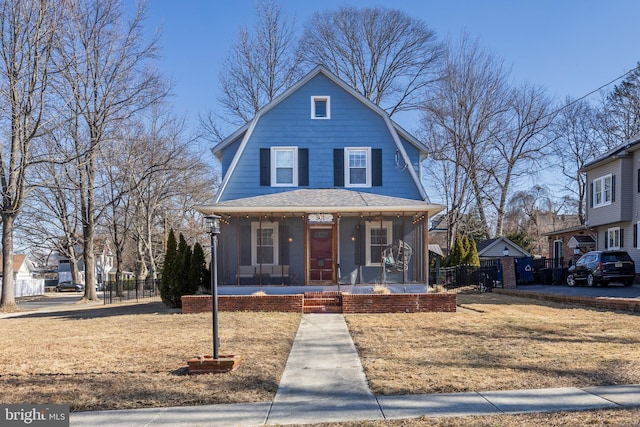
<point>320,107</point>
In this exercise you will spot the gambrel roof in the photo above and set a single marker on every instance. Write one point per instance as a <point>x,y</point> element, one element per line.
<point>245,132</point>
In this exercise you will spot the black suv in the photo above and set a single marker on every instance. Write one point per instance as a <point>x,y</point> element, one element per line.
<point>601,268</point>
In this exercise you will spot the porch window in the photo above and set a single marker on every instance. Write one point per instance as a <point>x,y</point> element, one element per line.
<point>378,238</point>
<point>357,167</point>
<point>264,243</point>
<point>284,166</point>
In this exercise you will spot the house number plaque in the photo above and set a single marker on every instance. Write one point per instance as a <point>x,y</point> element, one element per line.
<point>320,218</point>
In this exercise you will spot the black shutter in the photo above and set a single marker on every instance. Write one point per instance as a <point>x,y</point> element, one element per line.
<point>303,167</point>
<point>591,195</point>
<point>606,239</point>
<point>622,238</point>
<point>265,167</point>
<point>635,235</point>
<point>376,167</point>
<point>638,180</point>
<point>613,188</point>
<point>338,167</point>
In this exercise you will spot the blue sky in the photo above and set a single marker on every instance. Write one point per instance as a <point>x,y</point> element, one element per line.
<point>571,47</point>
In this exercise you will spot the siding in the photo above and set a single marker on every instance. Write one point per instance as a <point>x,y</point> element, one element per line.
<point>620,209</point>
<point>352,124</point>
<point>627,226</point>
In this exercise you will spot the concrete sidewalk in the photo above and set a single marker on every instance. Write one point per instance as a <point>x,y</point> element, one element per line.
<point>323,381</point>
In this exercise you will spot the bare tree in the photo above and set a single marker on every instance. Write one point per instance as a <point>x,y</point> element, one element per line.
<point>53,205</point>
<point>576,141</point>
<point>27,34</point>
<point>533,212</point>
<point>619,116</point>
<point>385,54</point>
<point>260,65</point>
<point>464,115</point>
<point>521,145</point>
<point>108,74</point>
<point>164,198</point>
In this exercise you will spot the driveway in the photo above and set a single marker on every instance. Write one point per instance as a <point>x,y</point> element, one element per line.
<point>50,300</point>
<point>614,290</point>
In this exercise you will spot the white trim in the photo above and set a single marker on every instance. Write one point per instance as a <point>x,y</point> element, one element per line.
<point>556,244</point>
<point>274,172</point>
<point>369,225</point>
<point>327,99</point>
<point>236,158</point>
<point>255,226</point>
<point>603,199</point>
<point>368,166</point>
<point>405,157</point>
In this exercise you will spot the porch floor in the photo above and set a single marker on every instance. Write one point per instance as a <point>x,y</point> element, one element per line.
<point>292,290</point>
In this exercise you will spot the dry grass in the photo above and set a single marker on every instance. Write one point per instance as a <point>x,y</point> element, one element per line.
<point>600,418</point>
<point>135,356</point>
<point>497,342</point>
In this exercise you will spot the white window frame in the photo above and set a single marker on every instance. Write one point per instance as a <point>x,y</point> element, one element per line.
<point>274,172</point>
<point>255,226</point>
<point>370,225</point>
<point>602,197</point>
<point>613,237</point>
<point>347,170</point>
<point>327,99</point>
<point>557,247</point>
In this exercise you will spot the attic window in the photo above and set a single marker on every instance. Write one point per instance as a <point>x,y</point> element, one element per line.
<point>320,107</point>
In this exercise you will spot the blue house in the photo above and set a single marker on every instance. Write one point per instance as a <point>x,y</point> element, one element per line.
<point>322,187</point>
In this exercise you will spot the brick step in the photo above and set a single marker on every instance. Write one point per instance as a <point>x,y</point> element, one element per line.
<point>322,302</point>
<point>321,309</point>
<point>316,301</point>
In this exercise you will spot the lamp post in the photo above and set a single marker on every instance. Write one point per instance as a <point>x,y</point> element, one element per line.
<point>212,224</point>
<point>505,251</point>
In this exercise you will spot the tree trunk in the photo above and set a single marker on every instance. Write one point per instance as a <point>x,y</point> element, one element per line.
<point>8,299</point>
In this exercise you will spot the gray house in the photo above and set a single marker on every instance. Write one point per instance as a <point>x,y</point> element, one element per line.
<point>613,208</point>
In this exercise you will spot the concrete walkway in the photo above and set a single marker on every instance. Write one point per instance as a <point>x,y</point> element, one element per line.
<point>323,381</point>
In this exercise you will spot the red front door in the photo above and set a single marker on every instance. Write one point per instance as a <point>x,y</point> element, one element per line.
<point>321,259</point>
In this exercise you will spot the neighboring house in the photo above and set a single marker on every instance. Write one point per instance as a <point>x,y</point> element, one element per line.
<point>613,205</point>
<point>498,247</point>
<point>104,263</point>
<point>570,243</point>
<point>105,270</point>
<point>322,187</point>
<point>23,271</point>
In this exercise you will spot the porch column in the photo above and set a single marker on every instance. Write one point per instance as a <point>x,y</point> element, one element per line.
<point>426,247</point>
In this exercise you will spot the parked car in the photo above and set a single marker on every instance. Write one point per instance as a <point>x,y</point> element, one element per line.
<point>601,268</point>
<point>69,286</point>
